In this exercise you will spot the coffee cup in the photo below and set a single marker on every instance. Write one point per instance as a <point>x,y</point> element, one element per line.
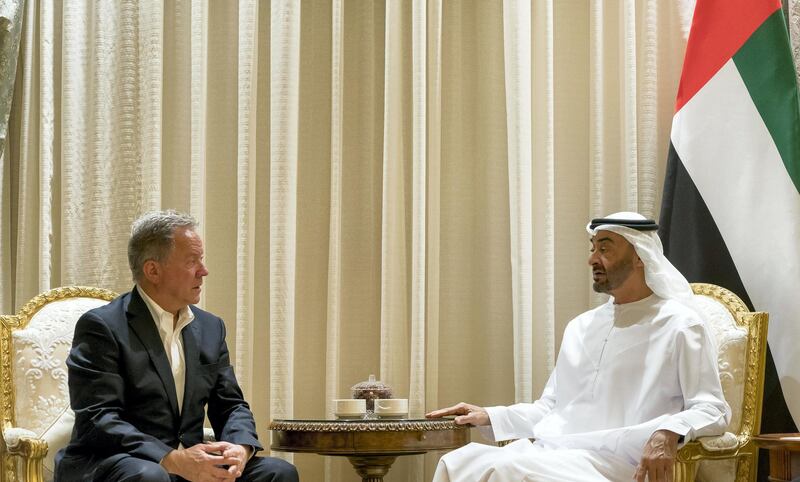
<point>391,407</point>
<point>349,407</point>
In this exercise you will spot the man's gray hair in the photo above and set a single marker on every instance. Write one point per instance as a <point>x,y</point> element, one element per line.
<point>153,237</point>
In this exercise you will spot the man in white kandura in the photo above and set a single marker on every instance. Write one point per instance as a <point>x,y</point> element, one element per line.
<point>634,378</point>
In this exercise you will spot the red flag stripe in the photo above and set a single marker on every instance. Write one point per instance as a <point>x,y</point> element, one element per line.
<point>719,29</point>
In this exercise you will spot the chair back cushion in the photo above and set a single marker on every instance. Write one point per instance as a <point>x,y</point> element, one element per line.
<point>731,342</point>
<point>40,373</point>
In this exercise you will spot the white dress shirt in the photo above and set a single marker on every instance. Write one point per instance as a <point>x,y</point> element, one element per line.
<point>170,333</point>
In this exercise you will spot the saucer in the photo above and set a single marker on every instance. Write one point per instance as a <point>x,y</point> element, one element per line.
<point>349,416</point>
<point>391,415</point>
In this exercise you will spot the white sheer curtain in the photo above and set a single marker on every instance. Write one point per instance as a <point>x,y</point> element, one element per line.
<point>792,11</point>
<point>389,187</point>
<point>10,25</point>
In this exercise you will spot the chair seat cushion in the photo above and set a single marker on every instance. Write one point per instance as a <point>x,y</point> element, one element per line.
<point>57,436</point>
<point>723,470</point>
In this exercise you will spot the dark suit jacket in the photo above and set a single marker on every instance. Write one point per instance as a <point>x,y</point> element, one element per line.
<point>123,394</point>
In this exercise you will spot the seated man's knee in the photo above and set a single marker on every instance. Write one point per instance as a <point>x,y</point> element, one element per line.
<point>153,472</point>
<point>270,469</point>
<point>506,468</point>
<point>132,469</point>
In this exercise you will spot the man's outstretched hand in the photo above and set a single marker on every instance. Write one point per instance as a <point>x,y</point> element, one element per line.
<point>466,414</point>
<point>658,458</point>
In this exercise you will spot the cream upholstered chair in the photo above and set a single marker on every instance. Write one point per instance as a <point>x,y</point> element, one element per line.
<point>34,400</point>
<point>741,337</point>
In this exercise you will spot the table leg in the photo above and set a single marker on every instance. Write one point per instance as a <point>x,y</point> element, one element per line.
<point>372,468</point>
<point>780,465</point>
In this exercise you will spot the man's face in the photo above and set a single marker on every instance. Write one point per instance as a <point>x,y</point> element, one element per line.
<point>183,271</point>
<point>611,258</point>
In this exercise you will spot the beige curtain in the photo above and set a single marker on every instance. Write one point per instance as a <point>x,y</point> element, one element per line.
<point>395,187</point>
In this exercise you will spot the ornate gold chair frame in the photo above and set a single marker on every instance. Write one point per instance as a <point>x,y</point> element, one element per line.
<point>737,445</point>
<point>31,450</point>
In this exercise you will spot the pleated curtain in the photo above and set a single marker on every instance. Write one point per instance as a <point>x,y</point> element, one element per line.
<point>397,188</point>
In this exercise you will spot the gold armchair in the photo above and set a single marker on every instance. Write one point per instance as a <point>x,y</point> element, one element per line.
<point>741,336</point>
<point>34,400</point>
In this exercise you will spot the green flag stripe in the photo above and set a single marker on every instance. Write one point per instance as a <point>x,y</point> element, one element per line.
<point>765,64</point>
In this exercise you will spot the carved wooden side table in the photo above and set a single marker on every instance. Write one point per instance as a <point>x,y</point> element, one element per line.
<point>371,445</point>
<point>784,455</point>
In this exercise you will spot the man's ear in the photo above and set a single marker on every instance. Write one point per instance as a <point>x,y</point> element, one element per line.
<point>152,271</point>
<point>638,262</point>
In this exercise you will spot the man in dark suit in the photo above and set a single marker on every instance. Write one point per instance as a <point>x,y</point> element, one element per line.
<point>143,369</point>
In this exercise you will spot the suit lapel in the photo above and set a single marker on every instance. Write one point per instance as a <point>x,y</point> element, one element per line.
<point>141,321</point>
<point>191,359</point>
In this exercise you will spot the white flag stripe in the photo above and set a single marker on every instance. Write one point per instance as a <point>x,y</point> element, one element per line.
<point>727,150</point>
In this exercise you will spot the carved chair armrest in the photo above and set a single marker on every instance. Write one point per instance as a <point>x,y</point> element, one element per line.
<point>720,446</point>
<point>31,448</point>
<point>23,442</point>
<point>721,443</point>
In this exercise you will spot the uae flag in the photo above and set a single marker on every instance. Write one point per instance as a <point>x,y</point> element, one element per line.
<point>731,206</point>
